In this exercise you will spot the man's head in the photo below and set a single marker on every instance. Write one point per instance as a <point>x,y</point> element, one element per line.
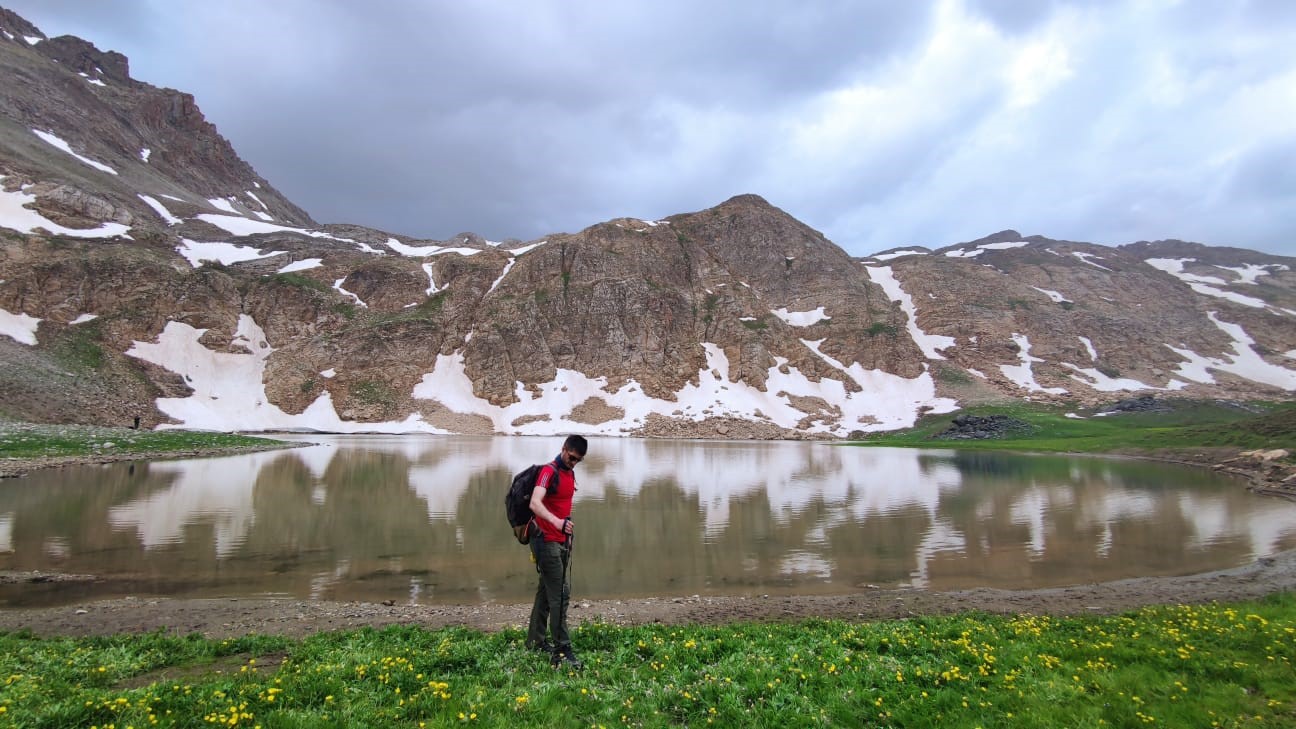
<point>573,450</point>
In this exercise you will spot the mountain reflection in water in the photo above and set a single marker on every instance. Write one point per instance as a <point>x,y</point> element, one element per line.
<point>420,519</point>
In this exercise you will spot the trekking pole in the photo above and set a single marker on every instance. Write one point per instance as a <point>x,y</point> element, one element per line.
<point>571,542</point>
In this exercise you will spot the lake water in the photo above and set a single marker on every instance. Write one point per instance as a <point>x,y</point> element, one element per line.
<point>421,519</point>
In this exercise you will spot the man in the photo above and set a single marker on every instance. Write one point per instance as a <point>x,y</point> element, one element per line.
<point>551,503</point>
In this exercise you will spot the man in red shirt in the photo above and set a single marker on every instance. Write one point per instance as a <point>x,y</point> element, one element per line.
<point>551,503</point>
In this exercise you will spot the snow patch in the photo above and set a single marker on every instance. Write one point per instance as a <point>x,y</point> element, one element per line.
<point>14,215</point>
<point>897,254</point>
<point>60,144</point>
<point>224,205</point>
<point>1244,362</point>
<point>329,373</point>
<point>224,253</point>
<point>526,248</point>
<point>145,154</point>
<point>801,318</point>
<point>161,210</point>
<point>337,285</point>
<point>888,401</point>
<point>508,266</point>
<point>423,251</point>
<point>1098,381</point>
<point>1082,255</point>
<point>928,343</point>
<point>1247,273</point>
<point>82,319</point>
<point>1021,374</point>
<point>228,388</point>
<point>242,226</point>
<point>432,288</point>
<point>1093,353</point>
<point>303,265</point>
<point>978,250</point>
<point>1053,295</point>
<point>19,327</point>
<point>256,199</point>
<point>1201,284</point>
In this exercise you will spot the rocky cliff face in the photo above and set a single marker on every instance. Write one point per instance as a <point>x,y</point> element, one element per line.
<point>146,270</point>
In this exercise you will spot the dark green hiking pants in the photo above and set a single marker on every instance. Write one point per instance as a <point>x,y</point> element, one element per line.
<point>550,608</point>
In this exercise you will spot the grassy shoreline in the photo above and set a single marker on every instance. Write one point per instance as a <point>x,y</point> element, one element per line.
<point>28,446</point>
<point>1256,441</point>
<point>1175,425</point>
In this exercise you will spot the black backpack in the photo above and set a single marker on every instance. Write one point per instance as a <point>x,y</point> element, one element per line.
<point>517,502</point>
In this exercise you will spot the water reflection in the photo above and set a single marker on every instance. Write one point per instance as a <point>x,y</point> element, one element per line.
<point>420,518</point>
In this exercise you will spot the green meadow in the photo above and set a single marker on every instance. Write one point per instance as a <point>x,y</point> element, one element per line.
<point>24,440</point>
<point>1185,425</point>
<point>1175,666</point>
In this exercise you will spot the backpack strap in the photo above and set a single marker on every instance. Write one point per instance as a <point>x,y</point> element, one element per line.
<point>553,466</point>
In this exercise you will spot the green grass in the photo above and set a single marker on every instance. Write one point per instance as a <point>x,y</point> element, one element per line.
<point>78,347</point>
<point>879,327</point>
<point>38,441</point>
<point>1198,666</point>
<point>426,311</point>
<point>373,392</point>
<point>1189,424</point>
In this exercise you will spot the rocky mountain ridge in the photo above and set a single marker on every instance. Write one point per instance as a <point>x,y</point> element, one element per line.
<point>147,271</point>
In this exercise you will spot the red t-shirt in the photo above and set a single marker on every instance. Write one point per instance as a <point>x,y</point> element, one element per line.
<point>557,498</point>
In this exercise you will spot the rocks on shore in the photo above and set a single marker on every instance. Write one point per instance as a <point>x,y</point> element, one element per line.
<point>977,427</point>
<point>1141,404</point>
<point>1270,472</point>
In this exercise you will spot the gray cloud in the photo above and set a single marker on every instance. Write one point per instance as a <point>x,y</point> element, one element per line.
<point>879,123</point>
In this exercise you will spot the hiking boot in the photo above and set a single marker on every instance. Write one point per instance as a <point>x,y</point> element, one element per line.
<point>543,646</point>
<point>565,657</point>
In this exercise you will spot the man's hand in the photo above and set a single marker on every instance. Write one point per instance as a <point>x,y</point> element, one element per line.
<point>566,527</point>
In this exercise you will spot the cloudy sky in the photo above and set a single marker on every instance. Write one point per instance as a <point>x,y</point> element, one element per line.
<point>880,123</point>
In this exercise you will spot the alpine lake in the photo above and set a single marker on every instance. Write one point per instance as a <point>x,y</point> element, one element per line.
<point>420,519</point>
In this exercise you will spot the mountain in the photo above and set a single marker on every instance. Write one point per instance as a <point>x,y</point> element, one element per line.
<point>147,271</point>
